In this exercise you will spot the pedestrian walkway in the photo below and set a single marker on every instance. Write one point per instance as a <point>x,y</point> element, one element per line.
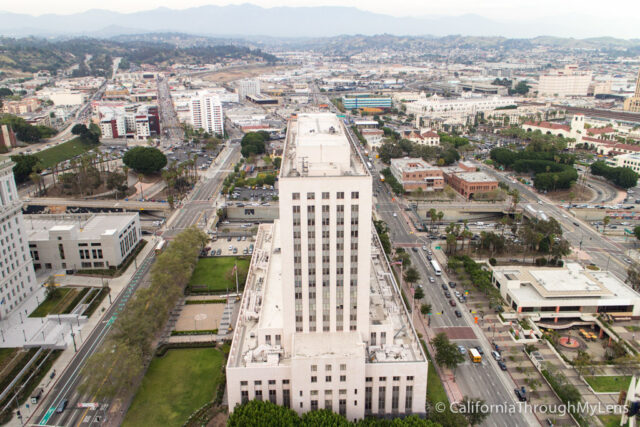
<point>116,285</point>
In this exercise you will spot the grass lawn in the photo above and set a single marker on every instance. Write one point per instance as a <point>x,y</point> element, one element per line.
<point>61,152</point>
<point>610,420</point>
<point>611,384</point>
<point>215,273</point>
<point>435,389</point>
<point>55,305</point>
<point>174,386</point>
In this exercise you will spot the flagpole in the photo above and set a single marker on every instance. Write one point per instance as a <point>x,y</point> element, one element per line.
<point>236,268</point>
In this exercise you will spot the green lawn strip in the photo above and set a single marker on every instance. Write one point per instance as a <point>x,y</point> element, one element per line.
<point>53,305</point>
<point>610,420</point>
<point>435,389</point>
<point>174,386</point>
<point>214,273</point>
<point>62,152</point>
<point>612,384</point>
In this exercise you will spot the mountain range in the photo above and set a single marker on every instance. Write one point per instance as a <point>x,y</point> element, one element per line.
<point>322,21</point>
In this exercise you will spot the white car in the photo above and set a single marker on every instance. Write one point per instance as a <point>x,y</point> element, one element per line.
<point>395,214</point>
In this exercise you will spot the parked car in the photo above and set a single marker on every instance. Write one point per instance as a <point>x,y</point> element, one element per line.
<point>452,285</point>
<point>521,394</point>
<point>495,346</point>
<point>502,365</point>
<point>496,355</point>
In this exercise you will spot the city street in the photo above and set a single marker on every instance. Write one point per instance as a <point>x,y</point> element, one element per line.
<point>470,379</point>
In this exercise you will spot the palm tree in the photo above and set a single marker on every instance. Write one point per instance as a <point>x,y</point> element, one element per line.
<point>140,176</point>
<point>36,178</point>
<point>605,221</point>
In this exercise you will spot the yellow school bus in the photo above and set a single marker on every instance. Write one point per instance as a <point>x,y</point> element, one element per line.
<point>474,355</point>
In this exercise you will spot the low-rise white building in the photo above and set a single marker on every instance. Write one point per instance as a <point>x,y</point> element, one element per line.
<point>373,137</point>
<point>81,241</point>
<point>549,293</point>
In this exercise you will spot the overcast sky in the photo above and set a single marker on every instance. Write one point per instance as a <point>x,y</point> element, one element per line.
<point>497,9</point>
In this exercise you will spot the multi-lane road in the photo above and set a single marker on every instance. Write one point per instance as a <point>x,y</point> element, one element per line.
<point>473,380</point>
<point>68,381</point>
<point>590,245</point>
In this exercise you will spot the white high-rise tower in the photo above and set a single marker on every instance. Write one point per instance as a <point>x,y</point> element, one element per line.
<point>206,113</point>
<point>18,279</point>
<point>322,323</point>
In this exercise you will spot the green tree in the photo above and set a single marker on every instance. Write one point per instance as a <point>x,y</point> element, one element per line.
<point>605,222</point>
<point>145,160</point>
<point>411,275</point>
<point>24,164</point>
<point>582,360</point>
<point>418,294</point>
<point>117,181</point>
<point>473,410</point>
<point>425,309</point>
<point>447,353</point>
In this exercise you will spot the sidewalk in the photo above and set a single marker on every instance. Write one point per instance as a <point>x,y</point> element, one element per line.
<point>117,285</point>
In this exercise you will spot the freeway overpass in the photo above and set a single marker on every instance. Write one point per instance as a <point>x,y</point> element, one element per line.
<point>125,205</point>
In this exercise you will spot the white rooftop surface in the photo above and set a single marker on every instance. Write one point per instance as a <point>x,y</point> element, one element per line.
<point>38,226</point>
<point>565,280</point>
<point>273,293</point>
<point>317,145</point>
<point>412,165</point>
<point>261,309</point>
<point>476,177</point>
<point>335,344</point>
<point>571,284</point>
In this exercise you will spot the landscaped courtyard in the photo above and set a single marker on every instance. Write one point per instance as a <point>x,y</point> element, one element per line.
<point>216,274</point>
<point>608,384</point>
<point>175,386</point>
<point>56,303</point>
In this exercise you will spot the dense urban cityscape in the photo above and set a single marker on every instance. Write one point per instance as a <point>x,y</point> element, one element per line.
<point>372,229</point>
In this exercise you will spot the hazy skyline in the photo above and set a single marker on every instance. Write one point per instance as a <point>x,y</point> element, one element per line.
<point>497,9</point>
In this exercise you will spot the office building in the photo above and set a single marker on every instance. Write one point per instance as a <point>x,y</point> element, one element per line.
<point>206,113</point>
<point>552,293</point>
<point>322,324</point>
<point>248,87</point>
<point>81,241</point>
<point>465,179</point>
<point>459,108</point>
<point>18,279</point>
<point>352,102</point>
<point>141,122</point>
<point>416,173</point>
<point>632,103</point>
<point>569,81</point>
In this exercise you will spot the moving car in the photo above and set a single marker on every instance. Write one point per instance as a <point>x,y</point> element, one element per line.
<point>458,313</point>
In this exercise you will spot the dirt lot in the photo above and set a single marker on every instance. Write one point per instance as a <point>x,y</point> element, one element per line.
<point>581,194</point>
<point>242,73</point>
<point>199,317</point>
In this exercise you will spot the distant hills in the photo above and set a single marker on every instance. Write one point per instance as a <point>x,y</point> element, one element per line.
<point>324,21</point>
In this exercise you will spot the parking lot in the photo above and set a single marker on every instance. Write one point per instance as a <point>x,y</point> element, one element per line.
<point>231,246</point>
<point>245,194</point>
<point>186,152</point>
